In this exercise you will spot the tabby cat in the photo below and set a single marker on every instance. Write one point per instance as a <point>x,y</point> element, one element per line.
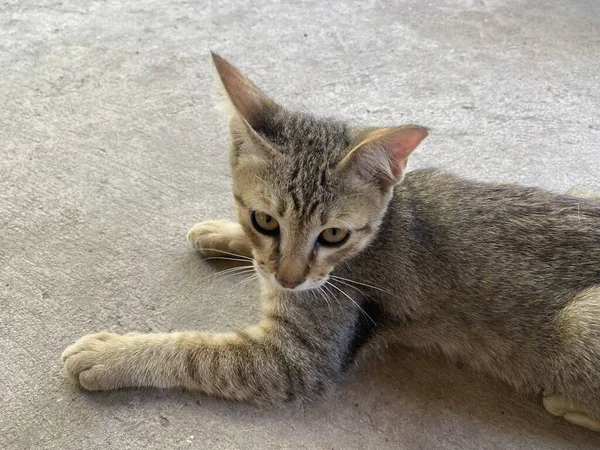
<point>352,252</point>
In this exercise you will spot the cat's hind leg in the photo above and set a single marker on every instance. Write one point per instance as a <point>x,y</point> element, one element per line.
<point>575,394</point>
<point>570,411</point>
<point>219,238</point>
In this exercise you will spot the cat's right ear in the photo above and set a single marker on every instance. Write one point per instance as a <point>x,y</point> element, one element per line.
<point>249,110</point>
<point>381,156</point>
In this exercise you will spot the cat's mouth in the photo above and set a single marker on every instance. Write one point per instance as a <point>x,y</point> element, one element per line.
<point>287,286</point>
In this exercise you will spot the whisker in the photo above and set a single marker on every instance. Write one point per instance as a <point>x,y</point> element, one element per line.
<point>332,294</point>
<point>240,272</point>
<point>234,269</point>
<point>226,258</point>
<point>362,284</point>
<point>227,271</point>
<point>313,292</point>
<point>226,253</point>
<point>327,300</point>
<point>353,301</point>
<point>349,285</point>
<point>248,279</point>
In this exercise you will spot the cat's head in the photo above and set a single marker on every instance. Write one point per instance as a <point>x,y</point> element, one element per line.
<point>310,193</point>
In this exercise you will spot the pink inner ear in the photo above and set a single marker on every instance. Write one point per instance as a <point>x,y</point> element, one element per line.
<point>398,168</point>
<point>405,140</point>
<point>400,143</point>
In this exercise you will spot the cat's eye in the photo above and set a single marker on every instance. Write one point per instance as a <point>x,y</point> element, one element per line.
<point>333,237</point>
<point>265,223</point>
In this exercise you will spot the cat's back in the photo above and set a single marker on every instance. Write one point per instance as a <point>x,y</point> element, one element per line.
<point>515,232</point>
<point>448,198</point>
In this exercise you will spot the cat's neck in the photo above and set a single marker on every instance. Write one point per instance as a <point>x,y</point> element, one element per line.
<point>403,235</point>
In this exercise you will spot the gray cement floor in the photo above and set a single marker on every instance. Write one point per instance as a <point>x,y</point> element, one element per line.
<point>110,149</point>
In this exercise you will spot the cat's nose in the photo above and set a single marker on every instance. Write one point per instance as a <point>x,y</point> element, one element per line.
<point>289,284</point>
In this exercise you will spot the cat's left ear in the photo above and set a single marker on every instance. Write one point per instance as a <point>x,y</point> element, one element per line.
<point>249,110</point>
<point>246,99</point>
<point>381,156</point>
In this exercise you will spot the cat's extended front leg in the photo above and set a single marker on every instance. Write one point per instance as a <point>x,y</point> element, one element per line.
<point>219,237</point>
<point>277,360</point>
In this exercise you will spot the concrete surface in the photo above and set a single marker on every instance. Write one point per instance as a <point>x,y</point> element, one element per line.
<point>110,149</point>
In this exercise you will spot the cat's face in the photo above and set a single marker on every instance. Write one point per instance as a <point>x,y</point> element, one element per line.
<point>310,193</point>
<point>301,228</point>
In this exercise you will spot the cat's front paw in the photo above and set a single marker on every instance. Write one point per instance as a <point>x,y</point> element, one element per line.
<point>98,362</point>
<point>219,238</point>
